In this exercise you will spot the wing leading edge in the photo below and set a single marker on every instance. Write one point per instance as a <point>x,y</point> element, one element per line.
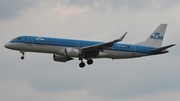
<point>95,49</point>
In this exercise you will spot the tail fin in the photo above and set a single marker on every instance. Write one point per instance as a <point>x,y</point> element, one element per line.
<point>156,38</point>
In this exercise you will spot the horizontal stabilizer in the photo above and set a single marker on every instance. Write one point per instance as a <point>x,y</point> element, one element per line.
<point>162,48</point>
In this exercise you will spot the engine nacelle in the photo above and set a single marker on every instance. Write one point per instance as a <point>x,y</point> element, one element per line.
<point>60,58</point>
<point>72,52</point>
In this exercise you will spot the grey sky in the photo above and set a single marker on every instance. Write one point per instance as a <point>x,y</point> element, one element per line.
<point>9,8</point>
<point>38,77</point>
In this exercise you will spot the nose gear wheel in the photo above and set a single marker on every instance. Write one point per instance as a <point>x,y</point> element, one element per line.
<point>23,53</point>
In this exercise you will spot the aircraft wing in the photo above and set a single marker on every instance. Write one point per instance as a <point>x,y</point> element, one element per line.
<point>95,49</point>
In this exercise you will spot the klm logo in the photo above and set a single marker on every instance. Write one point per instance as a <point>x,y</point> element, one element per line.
<point>40,38</point>
<point>157,36</point>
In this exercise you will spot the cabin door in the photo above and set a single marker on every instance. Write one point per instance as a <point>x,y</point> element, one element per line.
<point>29,41</point>
<point>133,49</point>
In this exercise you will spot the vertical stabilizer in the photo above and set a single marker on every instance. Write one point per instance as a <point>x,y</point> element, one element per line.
<point>156,38</point>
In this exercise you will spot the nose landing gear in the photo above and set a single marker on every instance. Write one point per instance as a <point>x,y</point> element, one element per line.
<point>22,57</point>
<point>23,53</point>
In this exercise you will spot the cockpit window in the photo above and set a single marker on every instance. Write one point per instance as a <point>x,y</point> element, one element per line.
<point>17,38</point>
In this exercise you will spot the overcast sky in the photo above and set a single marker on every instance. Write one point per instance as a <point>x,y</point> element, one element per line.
<point>39,78</point>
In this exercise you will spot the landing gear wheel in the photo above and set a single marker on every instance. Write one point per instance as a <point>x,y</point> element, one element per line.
<point>22,57</point>
<point>90,61</point>
<point>82,64</point>
<point>23,53</point>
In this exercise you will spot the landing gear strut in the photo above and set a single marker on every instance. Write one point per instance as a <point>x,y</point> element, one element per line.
<point>22,57</point>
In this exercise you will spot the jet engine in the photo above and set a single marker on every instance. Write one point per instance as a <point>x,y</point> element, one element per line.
<point>72,52</point>
<point>60,58</point>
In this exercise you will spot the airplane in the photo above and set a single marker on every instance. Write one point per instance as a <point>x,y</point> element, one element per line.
<point>64,50</point>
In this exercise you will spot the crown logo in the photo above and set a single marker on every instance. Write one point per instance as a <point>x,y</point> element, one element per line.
<point>156,33</point>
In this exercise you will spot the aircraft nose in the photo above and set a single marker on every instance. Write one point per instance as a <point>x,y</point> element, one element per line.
<point>7,45</point>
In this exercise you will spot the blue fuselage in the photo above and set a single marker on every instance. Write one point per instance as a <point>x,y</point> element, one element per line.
<point>51,45</point>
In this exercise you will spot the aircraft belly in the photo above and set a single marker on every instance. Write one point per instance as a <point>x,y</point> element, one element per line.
<point>123,54</point>
<point>119,54</point>
<point>36,48</point>
<point>40,48</point>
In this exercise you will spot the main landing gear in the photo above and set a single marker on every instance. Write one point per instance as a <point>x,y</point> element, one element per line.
<point>90,61</point>
<point>23,53</point>
<point>82,64</point>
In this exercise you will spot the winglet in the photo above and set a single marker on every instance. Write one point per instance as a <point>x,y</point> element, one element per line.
<point>120,39</point>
